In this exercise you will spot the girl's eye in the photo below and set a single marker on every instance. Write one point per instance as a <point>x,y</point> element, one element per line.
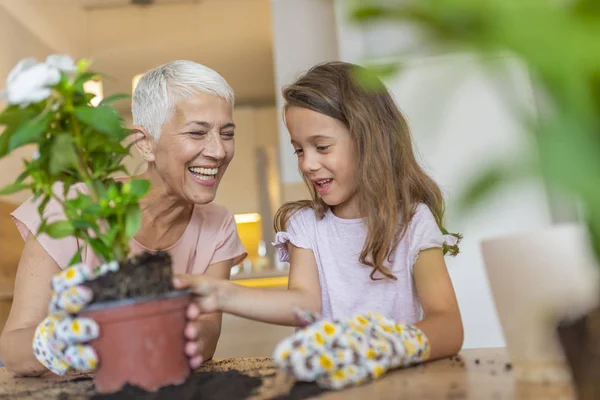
<point>297,151</point>
<point>323,148</point>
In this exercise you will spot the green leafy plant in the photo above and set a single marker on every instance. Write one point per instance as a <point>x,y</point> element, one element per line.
<point>77,143</point>
<point>559,42</point>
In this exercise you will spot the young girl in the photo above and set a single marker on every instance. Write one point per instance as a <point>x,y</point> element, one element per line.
<point>367,252</point>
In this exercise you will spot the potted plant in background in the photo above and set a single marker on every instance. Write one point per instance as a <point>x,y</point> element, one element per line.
<point>559,44</point>
<point>140,316</point>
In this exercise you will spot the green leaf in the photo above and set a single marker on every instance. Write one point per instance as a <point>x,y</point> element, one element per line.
<point>103,119</point>
<point>83,78</point>
<point>60,229</point>
<point>62,154</point>
<point>15,115</point>
<point>113,98</point>
<point>102,251</point>
<point>43,204</point>
<point>488,181</point>
<point>30,132</point>
<point>83,225</point>
<point>13,188</point>
<point>83,64</point>
<point>109,237</point>
<point>76,259</point>
<point>133,220</point>
<point>4,139</point>
<point>139,188</point>
<point>370,78</point>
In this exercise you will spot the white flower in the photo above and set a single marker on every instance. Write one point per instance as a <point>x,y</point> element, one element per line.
<point>21,66</point>
<point>62,62</point>
<point>30,82</point>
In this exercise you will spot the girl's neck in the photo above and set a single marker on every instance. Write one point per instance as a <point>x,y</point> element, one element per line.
<point>348,209</point>
<point>165,216</point>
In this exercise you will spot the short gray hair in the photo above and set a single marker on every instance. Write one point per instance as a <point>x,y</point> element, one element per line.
<point>159,90</point>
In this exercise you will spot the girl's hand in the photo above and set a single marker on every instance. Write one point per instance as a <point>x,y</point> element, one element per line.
<point>338,354</point>
<point>210,293</point>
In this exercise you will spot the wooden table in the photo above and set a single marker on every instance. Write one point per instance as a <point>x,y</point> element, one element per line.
<point>476,374</point>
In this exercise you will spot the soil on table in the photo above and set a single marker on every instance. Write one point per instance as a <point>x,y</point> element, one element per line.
<point>217,385</point>
<point>203,386</point>
<point>146,274</point>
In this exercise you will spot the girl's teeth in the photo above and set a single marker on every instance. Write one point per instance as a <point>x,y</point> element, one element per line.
<point>324,182</point>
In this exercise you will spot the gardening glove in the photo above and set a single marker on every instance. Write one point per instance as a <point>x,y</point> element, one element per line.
<point>59,341</point>
<point>338,354</point>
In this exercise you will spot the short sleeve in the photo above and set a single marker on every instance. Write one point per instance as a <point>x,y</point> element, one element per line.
<point>296,232</point>
<point>27,219</point>
<point>424,233</point>
<point>229,246</point>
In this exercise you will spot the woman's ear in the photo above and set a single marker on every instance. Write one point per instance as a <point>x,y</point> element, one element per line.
<point>144,142</point>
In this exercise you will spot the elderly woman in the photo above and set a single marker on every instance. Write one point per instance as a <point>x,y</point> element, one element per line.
<point>185,132</point>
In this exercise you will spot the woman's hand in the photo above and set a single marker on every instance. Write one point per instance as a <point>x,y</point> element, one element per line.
<point>198,333</point>
<point>204,318</point>
<point>59,341</point>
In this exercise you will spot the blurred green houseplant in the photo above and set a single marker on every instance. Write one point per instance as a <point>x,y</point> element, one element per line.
<point>47,106</point>
<point>559,42</point>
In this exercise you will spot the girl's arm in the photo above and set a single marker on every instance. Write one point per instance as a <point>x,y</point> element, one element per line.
<point>442,323</point>
<point>270,305</point>
<point>32,295</point>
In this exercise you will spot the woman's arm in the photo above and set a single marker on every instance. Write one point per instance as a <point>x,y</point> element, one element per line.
<point>32,293</point>
<point>270,305</point>
<point>442,323</point>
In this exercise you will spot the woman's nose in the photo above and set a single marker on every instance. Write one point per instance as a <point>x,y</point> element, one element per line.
<point>214,146</point>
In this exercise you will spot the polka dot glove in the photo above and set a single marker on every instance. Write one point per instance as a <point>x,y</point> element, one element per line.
<point>59,341</point>
<point>338,354</point>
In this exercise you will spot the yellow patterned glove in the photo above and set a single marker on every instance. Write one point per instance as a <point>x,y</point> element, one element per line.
<point>59,340</point>
<point>338,354</point>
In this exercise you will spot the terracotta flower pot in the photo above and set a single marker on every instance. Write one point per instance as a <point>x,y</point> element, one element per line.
<point>141,342</point>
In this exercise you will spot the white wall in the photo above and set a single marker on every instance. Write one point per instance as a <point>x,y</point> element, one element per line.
<point>304,34</point>
<point>255,127</point>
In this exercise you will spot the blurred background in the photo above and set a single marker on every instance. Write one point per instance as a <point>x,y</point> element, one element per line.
<point>260,45</point>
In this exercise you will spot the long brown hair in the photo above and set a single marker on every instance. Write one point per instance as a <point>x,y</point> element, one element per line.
<point>390,181</point>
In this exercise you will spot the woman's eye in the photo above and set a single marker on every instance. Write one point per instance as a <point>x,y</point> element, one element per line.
<point>323,148</point>
<point>197,133</point>
<point>297,151</point>
<point>228,135</point>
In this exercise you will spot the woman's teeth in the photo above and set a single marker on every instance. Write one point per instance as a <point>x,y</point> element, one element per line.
<point>324,182</point>
<point>204,174</point>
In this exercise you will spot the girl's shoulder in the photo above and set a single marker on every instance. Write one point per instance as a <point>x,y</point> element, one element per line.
<point>299,230</point>
<point>422,215</point>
